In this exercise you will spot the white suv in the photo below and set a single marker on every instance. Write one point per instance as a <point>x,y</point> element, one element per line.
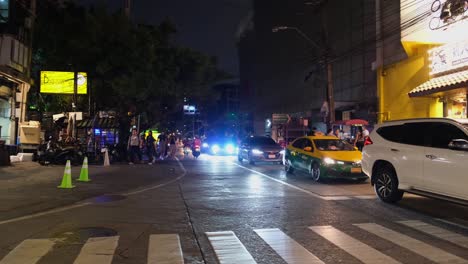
<point>424,156</point>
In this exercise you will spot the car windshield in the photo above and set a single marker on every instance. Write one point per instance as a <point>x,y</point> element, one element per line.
<point>333,145</point>
<point>263,141</point>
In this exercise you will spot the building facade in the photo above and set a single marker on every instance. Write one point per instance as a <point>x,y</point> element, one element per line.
<point>285,71</point>
<point>422,59</point>
<point>16,25</point>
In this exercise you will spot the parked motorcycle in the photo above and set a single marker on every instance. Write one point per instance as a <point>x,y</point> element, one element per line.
<point>53,153</point>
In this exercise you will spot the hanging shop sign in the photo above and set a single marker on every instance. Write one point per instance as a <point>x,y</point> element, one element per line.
<point>448,57</point>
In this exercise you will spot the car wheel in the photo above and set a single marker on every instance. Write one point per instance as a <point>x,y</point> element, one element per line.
<point>315,172</point>
<point>386,185</point>
<point>288,167</point>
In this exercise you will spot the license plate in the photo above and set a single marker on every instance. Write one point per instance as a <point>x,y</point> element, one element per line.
<point>356,170</point>
<point>271,156</point>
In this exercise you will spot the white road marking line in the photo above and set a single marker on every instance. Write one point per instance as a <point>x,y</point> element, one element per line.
<point>291,251</point>
<point>26,217</point>
<point>354,247</point>
<point>228,248</point>
<point>432,253</point>
<point>335,198</point>
<point>81,204</point>
<point>29,251</point>
<point>165,249</point>
<point>452,223</point>
<point>365,197</point>
<point>438,232</point>
<point>98,250</point>
<point>327,198</point>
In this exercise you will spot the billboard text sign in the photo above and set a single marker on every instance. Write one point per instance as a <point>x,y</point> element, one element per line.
<point>57,82</point>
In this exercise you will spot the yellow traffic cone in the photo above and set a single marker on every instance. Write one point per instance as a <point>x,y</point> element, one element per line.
<point>84,171</point>
<point>106,159</point>
<point>66,180</point>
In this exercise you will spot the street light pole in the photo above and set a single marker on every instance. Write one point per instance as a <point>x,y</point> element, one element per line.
<point>330,96</point>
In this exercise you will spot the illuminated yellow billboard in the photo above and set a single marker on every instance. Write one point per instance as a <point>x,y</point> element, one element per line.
<point>57,82</point>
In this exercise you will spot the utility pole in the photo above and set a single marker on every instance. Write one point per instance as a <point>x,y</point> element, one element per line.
<point>326,58</point>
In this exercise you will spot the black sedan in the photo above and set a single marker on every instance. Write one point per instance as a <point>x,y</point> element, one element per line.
<point>260,149</point>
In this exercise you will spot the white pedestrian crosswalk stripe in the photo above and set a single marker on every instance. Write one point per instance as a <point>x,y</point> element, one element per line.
<point>291,251</point>
<point>432,253</point>
<point>29,251</point>
<point>98,250</point>
<point>228,248</point>
<point>438,232</point>
<point>165,249</point>
<point>354,247</point>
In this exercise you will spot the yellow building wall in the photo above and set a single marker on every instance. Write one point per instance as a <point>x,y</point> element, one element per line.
<point>397,80</point>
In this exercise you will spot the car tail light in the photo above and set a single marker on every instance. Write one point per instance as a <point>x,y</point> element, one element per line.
<point>368,141</point>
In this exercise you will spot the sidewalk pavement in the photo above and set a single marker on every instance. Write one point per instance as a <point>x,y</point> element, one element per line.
<point>27,187</point>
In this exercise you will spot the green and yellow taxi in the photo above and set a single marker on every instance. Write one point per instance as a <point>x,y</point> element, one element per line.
<point>324,157</point>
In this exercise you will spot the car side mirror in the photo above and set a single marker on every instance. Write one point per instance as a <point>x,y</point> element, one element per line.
<point>308,149</point>
<point>458,144</point>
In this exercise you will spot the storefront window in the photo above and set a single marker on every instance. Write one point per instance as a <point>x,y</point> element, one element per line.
<point>457,106</point>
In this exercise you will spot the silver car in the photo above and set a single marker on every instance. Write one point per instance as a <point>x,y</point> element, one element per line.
<point>260,149</point>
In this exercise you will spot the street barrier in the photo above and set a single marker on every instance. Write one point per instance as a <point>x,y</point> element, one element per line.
<point>66,180</point>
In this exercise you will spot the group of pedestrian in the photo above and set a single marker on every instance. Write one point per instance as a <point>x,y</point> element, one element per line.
<point>360,137</point>
<point>153,148</point>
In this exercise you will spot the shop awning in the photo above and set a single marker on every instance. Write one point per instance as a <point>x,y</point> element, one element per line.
<point>98,123</point>
<point>441,84</point>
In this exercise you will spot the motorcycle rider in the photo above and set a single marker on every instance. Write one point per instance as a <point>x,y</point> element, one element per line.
<point>196,146</point>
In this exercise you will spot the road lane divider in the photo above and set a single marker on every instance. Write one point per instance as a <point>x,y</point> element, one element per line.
<point>326,198</point>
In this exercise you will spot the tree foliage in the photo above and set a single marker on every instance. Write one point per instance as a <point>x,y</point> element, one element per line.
<point>131,68</point>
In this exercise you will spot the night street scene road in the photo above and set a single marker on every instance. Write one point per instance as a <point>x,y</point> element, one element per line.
<point>233,131</point>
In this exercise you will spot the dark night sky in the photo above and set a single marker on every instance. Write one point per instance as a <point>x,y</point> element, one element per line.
<point>209,26</point>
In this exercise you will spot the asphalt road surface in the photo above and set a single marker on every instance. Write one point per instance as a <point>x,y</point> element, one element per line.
<point>217,210</point>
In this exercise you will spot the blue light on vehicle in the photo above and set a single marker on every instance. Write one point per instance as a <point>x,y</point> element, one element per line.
<point>257,152</point>
<point>97,131</point>
<point>215,149</point>
<point>205,145</point>
<point>230,149</point>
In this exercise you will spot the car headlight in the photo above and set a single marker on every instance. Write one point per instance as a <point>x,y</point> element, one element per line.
<point>230,148</point>
<point>215,149</point>
<point>205,145</point>
<point>257,152</point>
<point>329,161</point>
